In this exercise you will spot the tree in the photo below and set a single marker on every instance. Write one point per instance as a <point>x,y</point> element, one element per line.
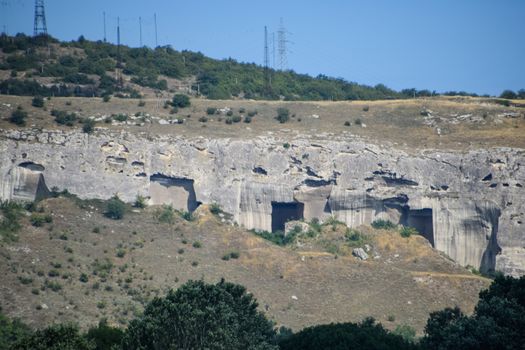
<point>497,322</point>
<point>115,208</point>
<point>104,336</point>
<point>38,102</point>
<point>11,331</point>
<point>88,126</point>
<point>202,316</point>
<point>283,115</point>
<point>508,94</point>
<point>56,337</point>
<point>181,101</point>
<point>18,117</point>
<point>365,335</point>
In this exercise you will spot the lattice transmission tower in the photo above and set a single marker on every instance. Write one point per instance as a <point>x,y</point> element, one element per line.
<point>40,27</point>
<point>282,49</point>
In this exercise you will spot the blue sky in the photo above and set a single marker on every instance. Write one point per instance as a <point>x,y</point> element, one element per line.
<point>471,45</point>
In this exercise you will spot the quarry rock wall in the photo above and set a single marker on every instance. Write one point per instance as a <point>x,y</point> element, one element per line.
<point>469,205</point>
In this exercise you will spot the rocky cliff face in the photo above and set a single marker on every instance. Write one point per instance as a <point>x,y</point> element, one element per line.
<point>468,205</point>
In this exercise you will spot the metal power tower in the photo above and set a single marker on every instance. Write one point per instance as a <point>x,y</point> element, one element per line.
<point>267,77</point>
<point>40,27</point>
<point>282,50</point>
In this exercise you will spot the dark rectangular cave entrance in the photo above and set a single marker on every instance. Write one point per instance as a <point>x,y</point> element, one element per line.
<point>284,212</point>
<point>421,220</point>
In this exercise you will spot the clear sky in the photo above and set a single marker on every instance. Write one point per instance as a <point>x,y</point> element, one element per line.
<point>471,45</point>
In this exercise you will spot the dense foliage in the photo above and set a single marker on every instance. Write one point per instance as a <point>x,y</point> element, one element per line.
<point>497,322</point>
<point>202,316</point>
<point>216,79</point>
<point>224,316</point>
<point>365,335</point>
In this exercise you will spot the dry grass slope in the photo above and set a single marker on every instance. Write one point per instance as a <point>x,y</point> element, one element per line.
<point>108,268</point>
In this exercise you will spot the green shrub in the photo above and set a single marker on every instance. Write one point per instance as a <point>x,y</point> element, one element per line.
<point>64,118</point>
<point>248,120</point>
<point>53,273</point>
<point>142,103</point>
<point>283,115</point>
<point>276,237</point>
<point>115,208</point>
<point>252,113</point>
<point>358,122</point>
<point>18,117</point>
<point>215,209</point>
<point>203,119</point>
<point>188,216</point>
<point>408,231</point>
<point>25,279</point>
<point>37,220</point>
<point>120,253</point>
<point>53,285</point>
<point>83,278</point>
<point>120,117</point>
<point>181,101</point>
<point>140,202</point>
<point>381,224</point>
<point>236,119</point>
<point>166,214</point>
<point>88,126</point>
<point>366,108</point>
<point>10,220</point>
<point>106,98</point>
<point>211,110</point>
<point>355,238</point>
<point>347,123</point>
<point>229,113</point>
<point>38,102</point>
<point>197,244</point>
<point>286,145</point>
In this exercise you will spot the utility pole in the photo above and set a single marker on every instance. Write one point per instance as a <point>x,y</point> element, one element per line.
<point>119,61</point>
<point>104,13</point>
<point>140,28</point>
<point>40,27</point>
<point>156,37</point>
<point>267,78</point>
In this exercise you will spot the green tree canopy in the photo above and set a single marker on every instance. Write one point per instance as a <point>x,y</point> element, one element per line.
<point>497,323</point>
<point>367,335</point>
<point>202,316</point>
<point>56,337</point>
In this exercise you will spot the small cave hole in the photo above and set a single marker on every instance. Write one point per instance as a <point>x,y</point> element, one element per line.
<point>487,178</point>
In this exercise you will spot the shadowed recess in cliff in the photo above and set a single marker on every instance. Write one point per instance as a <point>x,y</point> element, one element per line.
<point>28,182</point>
<point>488,260</point>
<point>421,220</point>
<point>284,212</point>
<point>175,191</point>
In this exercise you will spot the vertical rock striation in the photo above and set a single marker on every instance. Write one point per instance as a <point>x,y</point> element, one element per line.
<point>470,205</point>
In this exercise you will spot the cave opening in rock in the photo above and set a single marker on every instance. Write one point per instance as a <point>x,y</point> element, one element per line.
<point>28,182</point>
<point>175,191</point>
<point>284,212</point>
<point>421,220</point>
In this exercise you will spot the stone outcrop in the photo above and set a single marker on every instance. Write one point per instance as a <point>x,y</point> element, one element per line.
<point>470,205</point>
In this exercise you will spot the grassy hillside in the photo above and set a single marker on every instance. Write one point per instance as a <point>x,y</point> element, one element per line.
<point>75,264</point>
<point>85,68</point>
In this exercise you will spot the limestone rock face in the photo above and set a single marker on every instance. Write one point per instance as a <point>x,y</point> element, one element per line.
<point>470,205</point>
